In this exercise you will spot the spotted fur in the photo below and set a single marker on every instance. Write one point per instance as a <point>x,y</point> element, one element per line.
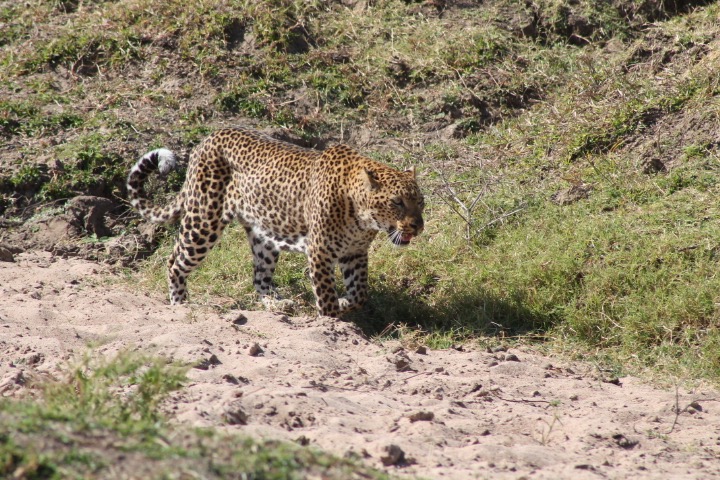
<point>327,204</point>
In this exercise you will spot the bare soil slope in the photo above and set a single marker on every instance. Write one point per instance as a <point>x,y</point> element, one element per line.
<point>435,414</point>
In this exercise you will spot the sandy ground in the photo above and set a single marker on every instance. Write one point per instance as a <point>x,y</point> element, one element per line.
<point>318,381</point>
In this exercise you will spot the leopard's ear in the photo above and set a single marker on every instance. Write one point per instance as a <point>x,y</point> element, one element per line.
<point>370,179</point>
<point>411,171</point>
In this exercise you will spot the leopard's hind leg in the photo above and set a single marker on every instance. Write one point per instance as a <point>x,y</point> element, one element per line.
<point>265,257</point>
<point>200,228</point>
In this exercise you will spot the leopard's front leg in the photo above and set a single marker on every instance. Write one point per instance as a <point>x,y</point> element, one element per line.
<point>323,281</point>
<point>354,269</point>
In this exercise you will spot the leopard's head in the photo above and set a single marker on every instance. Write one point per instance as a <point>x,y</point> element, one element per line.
<point>394,203</point>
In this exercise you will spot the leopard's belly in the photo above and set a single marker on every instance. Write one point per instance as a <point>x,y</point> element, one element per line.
<point>288,243</point>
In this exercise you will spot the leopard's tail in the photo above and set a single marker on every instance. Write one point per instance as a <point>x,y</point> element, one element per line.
<point>164,161</point>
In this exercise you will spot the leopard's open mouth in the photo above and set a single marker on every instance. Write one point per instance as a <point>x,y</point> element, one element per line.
<point>399,238</point>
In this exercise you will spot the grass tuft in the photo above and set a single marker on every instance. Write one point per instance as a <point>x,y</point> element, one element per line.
<point>110,409</point>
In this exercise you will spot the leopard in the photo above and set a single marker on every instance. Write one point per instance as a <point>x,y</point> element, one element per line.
<point>328,204</point>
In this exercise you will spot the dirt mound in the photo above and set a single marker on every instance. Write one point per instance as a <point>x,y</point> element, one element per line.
<point>460,414</point>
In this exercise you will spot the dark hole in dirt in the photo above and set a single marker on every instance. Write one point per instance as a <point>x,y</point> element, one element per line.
<point>521,99</point>
<point>234,33</point>
<point>400,72</point>
<point>87,64</point>
<point>67,6</point>
<point>9,127</point>
<point>650,116</point>
<point>299,40</point>
<point>654,165</point>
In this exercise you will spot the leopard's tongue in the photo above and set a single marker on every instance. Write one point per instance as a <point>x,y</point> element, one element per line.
<point>406,237</point>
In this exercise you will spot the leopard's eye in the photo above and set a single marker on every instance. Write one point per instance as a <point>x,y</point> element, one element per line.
<point>397,201</point>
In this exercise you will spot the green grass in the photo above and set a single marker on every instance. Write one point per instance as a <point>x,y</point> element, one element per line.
<point>110,408</point>
<point>25,118</point>
<point>626,274</point>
